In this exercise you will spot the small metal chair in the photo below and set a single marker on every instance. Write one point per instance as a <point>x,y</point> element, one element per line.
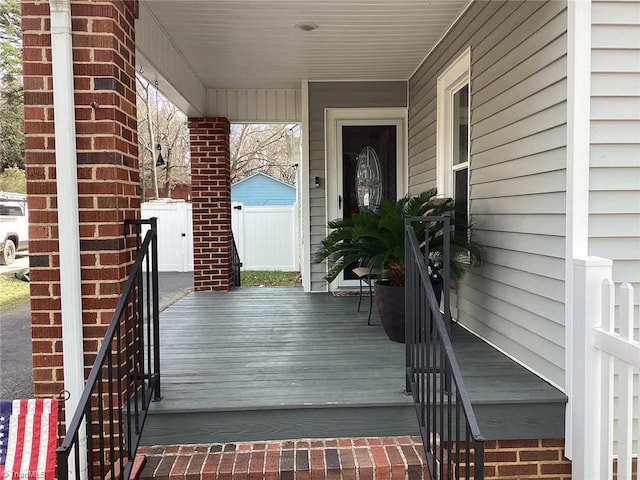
<point>365,274</point>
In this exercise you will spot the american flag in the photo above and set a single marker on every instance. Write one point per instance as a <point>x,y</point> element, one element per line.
<point>28,438</point>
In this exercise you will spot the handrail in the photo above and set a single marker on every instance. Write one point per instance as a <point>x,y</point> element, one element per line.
<point>124,379</point>
<point>452,440</point>
<point>236,263</point>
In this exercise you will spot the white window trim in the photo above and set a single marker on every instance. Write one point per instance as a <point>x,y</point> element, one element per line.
<point>455,77</point>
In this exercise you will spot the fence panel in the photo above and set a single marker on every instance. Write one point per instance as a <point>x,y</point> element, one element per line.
<point>266,237</point>
<point>606,365</point>
<point>620,358</point>
<point>175,234</point>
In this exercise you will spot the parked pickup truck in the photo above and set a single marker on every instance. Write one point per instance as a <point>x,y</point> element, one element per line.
<point>14,226</point>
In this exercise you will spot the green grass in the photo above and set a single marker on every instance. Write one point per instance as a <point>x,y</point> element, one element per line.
<point>13,292</point>
<point>270,279</point>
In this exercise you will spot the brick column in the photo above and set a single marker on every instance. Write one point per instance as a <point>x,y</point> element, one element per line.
<point>211,199</point>
<point>107,163</point>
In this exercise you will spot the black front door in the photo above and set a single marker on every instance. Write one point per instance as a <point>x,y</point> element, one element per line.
<point>369,144</point>
<point>368,169</point>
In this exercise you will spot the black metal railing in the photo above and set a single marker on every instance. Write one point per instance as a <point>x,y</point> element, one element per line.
<point>104,433</point>
<point>236,263</point>
<point>452,440</point>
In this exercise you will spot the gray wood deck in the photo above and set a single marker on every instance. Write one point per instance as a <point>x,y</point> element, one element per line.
<point>276,363</point>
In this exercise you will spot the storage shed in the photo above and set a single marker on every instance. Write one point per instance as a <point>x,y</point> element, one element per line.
<point>261,190</point>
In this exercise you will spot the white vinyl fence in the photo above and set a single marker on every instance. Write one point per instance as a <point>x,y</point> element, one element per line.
<point>175,234</point>
<point>266,237</point>
<point>604,420</point>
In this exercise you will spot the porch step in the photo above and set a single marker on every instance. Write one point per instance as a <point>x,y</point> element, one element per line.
<point>353,458</point>
<point>168,428</point>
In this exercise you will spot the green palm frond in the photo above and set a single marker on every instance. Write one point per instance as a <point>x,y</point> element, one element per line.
<point>377,236</point>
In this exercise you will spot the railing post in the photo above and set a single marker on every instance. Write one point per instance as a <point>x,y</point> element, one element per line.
<point>408,305</point>
<point>586,366</point>
<point>478,460</point>
<point>156,307</point>
<point>446,281</point>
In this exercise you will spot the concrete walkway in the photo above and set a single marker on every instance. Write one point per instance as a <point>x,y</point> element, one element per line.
<point>16,375</point>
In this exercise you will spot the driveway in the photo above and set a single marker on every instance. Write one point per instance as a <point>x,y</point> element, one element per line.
<point>16,376</point>
<point>21,261</point>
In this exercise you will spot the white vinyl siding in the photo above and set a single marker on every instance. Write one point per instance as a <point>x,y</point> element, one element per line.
<point>614,168</point>
<point>517,172</point>
<point>324,95</point>
<point>255,105</point>
<point>614,162</point>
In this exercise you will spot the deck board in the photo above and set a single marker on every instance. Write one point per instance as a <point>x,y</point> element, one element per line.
<point>271,347</point>
<point>308,360</point>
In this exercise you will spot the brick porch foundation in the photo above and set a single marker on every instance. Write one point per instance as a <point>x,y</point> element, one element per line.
<point>386,458</point>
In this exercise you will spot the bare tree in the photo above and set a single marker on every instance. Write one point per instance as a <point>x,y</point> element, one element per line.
<point>160,123</point>
<point>261,148</point>
<point>254,147</point>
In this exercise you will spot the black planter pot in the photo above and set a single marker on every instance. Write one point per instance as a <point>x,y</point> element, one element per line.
<point>390,302</point>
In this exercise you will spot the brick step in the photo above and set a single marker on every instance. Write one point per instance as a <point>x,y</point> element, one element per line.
<point>382,458</point>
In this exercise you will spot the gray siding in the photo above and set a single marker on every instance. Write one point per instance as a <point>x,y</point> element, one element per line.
<point>614,159</point>
<point>324,95</point>
<point>517,172</point>
<point>614,173</point>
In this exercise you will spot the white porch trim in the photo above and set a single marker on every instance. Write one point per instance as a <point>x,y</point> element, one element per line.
<point>577,189</point>
<point>305,253</point>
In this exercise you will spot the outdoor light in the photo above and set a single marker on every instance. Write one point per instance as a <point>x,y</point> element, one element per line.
<point>160,160</point>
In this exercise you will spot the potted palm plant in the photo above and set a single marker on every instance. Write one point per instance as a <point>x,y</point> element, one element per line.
<point>377,237</point>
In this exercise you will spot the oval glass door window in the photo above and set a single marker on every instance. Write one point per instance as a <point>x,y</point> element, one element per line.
<point>368,179</point>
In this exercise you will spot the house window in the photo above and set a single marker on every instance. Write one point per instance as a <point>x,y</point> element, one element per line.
<point>453,133</point>
<point>460,157</point>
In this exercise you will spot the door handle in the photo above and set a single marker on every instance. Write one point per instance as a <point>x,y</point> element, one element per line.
<point>238,207</point>
<point>339,202</point>
<point>183,235</point>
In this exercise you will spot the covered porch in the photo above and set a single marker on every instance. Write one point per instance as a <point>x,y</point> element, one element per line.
<point>260,364</point>
<point>530,170</point>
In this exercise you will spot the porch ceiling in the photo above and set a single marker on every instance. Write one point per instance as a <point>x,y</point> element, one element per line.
<point>255,43</point>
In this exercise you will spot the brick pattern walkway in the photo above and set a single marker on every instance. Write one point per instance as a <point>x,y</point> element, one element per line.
<point>386,458</point>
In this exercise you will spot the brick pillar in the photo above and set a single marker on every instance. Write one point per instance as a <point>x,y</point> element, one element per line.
<point>211,199</point>
<point>108,185</point>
